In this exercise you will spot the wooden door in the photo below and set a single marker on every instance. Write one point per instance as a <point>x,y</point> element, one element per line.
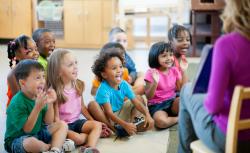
<point>21,18</point>
<point>5,19</point>
<point>93,22</point>
<point>73,22</point>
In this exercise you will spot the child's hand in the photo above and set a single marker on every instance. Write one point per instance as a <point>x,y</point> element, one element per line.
<point>155,75</point>
<point>51,96</point>
<point>41,100</point>
<point>130,128</point>
<point>130,79</point>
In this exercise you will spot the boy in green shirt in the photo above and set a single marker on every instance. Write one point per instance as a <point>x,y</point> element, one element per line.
<point>30,109</point>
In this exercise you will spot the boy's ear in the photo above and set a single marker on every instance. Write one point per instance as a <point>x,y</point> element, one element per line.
<point>21,82</point>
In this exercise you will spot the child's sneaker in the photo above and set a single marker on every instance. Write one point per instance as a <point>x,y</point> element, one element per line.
<point>83,149</point>
<point>53,150</point>
<point>68,145</point>
<point>139,122</point>
<point>120,131</point>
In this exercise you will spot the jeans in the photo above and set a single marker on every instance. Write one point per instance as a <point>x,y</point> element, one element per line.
<point>195,123</point>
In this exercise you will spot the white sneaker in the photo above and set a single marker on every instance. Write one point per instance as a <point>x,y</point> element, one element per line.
<point>68,145</point>
<point>53,150</point>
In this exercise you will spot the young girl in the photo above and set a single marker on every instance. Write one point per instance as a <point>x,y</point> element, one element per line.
<point>23,47</point>
<point>111,93</point>
<point>62,76</point>
<point>45,42</point>
<point>180,39</point>
<point>162,80</point>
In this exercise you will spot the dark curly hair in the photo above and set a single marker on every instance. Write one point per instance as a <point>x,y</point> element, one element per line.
<point>102,59</point>
<point>13,46</point>
<point>154,52</point>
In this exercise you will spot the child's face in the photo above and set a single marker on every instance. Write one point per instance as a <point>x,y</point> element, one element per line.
<point>68,69</point>
<point>33,84</point>
<point>113,72</point>
<point>166,59</point>
<point>46,44</point>
<point>29,53</point>
<point>181,43</point>
<point>121,38</point>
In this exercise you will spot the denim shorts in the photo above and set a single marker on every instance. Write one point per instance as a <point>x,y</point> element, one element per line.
<point>77,125</point>
<point>163,106</point>
<point>17,144</point>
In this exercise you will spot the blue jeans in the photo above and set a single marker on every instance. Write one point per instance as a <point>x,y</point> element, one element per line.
<point>195,123</point>
<point>17,144</point>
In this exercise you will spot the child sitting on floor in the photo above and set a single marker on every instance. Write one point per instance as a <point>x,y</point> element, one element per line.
<point>30,109</point>
<point>110,107</point>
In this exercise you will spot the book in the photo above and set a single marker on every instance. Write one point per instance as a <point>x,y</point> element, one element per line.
<point>201,80</point>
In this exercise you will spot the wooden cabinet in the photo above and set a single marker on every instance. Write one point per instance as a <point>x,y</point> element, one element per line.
<point>15,18</point>
<point>86,23</point>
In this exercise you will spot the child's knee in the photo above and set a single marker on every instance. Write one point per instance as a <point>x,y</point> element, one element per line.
<point>62,125</point>
<point>97,125</point>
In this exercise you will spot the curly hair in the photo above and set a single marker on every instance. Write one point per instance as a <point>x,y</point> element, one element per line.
<point>236,16</point>
<point>102,59</point>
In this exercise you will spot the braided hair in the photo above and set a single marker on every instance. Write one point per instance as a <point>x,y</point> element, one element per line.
<point>14,46</point>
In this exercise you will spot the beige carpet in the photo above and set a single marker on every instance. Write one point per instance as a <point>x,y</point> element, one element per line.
<point>147,142</point>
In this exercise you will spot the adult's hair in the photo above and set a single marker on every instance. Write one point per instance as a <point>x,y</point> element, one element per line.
<point>154,52</point>
<point>24,68</point>
<point>236,16</point>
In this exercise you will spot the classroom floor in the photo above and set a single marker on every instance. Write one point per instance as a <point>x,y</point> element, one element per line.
<point>148,142</point>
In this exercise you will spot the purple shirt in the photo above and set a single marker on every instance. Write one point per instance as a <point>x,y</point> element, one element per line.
<point>230,67</point>
<point>166,86</point>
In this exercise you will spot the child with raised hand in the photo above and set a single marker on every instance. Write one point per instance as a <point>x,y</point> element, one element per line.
<point>45,42</point>
<point>180,39</point>
<point>162,80</point>
<point>23,47</point>
<point>62,76</point>
<point>110,107</point>
<point>119,35</point>
<point>30,109</point>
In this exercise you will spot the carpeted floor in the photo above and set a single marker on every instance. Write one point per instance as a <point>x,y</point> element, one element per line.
<point>173,139</point>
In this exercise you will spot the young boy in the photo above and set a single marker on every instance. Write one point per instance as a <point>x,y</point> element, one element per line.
<point>45,42</point>
<point>29,112</point>
<point>119,35</point>
<point>110,95</point>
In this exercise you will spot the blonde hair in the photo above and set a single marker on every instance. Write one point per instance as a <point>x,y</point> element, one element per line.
<point>236,17</point>
<point>53,77</point>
